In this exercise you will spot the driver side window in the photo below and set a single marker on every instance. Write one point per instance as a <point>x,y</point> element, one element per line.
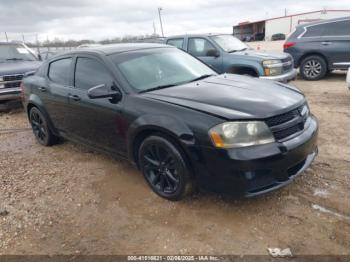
<point>89,73</point>
<point>199,46</point>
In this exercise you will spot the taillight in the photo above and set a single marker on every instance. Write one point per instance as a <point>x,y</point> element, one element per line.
<point>288,45</point>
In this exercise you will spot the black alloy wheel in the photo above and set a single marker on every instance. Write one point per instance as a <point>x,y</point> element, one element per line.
<point>164,168</point>
<point>40,128</point>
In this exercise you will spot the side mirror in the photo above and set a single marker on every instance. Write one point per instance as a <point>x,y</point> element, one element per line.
<point>102,91</point>
<point>213,53</point>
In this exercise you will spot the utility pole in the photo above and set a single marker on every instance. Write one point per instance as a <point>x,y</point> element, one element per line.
<point>7,39</point>
<point>23,38</point>
<point>285,11</point>
<point>160,20</point>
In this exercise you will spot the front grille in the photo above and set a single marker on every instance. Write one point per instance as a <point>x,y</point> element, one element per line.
<point>12,81</point>
<point>287,124</point>
<point>287,68</point>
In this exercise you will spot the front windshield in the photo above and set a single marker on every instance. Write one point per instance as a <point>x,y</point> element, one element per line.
<point>229,43</point>
<point>12,52</point>
<point>161,67</point>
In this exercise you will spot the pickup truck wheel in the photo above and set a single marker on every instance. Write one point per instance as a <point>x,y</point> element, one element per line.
<point>40,128</point>
<point>313,68</point>
<point>164,168</point>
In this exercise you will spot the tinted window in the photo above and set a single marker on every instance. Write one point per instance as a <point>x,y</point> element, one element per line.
<point>89,73</point>
<point>59,71</point>
<point>314,31</point>
<point>199,46</point>
<point>341,28</point>
<point>176,42</point>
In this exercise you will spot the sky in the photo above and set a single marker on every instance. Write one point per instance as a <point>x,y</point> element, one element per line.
<point>106,19</point>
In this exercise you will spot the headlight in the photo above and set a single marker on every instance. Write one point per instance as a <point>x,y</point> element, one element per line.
<point>240,134</point>
<point>272,67</point>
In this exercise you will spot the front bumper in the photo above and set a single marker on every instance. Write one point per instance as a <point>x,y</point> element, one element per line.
<point>291,75</point>
<point>10,93</point>
<point>256,170</point>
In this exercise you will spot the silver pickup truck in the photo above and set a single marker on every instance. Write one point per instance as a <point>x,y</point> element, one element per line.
<point>16,59</point>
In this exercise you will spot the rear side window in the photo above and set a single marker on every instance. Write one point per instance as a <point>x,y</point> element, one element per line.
<point>59,71</point>
<point>89,73</point>
<point>340,28</point>
<point>314,31</point>
<point>179,42</point>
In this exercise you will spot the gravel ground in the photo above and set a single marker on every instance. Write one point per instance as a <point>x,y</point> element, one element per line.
<point>67,199</point>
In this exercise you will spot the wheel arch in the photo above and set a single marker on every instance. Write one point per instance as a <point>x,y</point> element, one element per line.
<point>34,101</point>
<point>173,129</point>
<point>313,53</point>
<point>242,69</point>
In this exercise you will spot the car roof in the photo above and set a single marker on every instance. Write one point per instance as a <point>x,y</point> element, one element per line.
<point>324,21</point>
<point>118,48</point>
<point>196,35</point>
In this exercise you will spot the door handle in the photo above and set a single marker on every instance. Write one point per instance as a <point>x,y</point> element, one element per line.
<point>42,89</point>
<point>74,97</point>
<point>326,43</point>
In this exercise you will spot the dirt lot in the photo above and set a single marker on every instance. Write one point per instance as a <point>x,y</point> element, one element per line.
<point>67,199</point>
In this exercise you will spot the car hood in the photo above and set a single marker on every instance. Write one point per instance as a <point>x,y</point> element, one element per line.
<point>262,55</point>
<point>233,97</point>
<point>18,67</point>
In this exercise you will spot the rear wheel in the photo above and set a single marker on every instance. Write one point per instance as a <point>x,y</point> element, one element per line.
<point>164,168</point>
<point>313,68</point>
<point>40,128</point>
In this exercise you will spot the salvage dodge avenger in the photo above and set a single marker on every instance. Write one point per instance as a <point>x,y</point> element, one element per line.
<point>179,121</point>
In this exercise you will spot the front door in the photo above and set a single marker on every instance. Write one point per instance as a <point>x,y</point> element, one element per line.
<point>200,47</point>
<point>97,122</point>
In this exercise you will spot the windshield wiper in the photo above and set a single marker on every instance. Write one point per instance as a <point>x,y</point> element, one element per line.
<point>201,77</point>
<point>156,88</point>
<point>14,59</point>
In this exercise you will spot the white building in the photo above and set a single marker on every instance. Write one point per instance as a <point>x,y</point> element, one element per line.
<point>285,24</point>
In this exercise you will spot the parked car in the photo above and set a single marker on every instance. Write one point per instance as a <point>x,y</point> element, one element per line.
<point>44,55</point>
<point>320,47</point>
<point>88,45</point>
<point>16,59</point>
<point>226,53</point>
<point>176,118</point>
<point>259,36</point>
<point>277,37</point>
<point>348,78</point>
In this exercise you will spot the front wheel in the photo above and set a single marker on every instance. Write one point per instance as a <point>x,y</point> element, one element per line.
<point>164,168</point>
<point>313,68</point>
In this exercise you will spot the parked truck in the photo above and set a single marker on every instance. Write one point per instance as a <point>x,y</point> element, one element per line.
<point>16,59</point>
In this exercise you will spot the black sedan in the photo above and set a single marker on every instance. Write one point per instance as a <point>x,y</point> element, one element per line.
<point>182,124</point>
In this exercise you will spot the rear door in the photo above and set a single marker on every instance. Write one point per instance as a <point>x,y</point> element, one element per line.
<point>54,94</point>
<point>336,43</point>
<point>199,47</point>
<point>97,122</point>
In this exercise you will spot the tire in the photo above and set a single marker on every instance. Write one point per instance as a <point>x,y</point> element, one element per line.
<point>40,127</point>
<point>313,68</point>
<point>164,168</point>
